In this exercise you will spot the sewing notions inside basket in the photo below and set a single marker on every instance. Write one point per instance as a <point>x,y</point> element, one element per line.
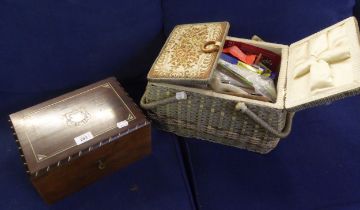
<point>256,80</point>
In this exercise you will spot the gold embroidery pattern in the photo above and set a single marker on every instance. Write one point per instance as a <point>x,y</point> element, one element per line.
<point>182,57</point>
<point>186,50</point>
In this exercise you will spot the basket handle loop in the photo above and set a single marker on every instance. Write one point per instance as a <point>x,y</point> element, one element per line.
<point>281,134</point>
<point>177,97</point>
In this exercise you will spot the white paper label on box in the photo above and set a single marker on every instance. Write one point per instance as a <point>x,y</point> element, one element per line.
<point>83,138</point>
<point>122,124</point>
<point>180,95</point>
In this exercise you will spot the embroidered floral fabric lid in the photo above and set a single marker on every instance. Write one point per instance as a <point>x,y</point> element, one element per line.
<point>190,54</point>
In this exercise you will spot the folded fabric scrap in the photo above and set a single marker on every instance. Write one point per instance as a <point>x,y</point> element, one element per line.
<point>237,53</point>
<point>261,84</point>
<point>259,68</point>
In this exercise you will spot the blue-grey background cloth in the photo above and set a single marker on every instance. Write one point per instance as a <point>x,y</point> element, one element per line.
<point>49,48</point>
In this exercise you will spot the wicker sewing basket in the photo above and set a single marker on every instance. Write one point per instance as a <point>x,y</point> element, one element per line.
<point>177,100</point>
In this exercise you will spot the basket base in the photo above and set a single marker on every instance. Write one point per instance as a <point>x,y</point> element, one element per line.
<point>252,144</point>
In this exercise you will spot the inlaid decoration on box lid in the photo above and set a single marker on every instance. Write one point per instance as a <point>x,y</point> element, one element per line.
<point>66,127</point>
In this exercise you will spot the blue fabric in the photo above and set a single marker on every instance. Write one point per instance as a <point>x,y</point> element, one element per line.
<point>63,44</point>
<point>276,21</point>
<point>156,182</point>
<point>357,9</point>
<point>316,167</point>
<point>49,48</point>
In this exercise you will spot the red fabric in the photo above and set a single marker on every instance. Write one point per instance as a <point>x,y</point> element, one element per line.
<point>237,53</point>
<point>270,59</point>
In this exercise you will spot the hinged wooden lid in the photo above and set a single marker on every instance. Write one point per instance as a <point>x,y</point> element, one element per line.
<point>64,128</point>
<point>190,54</point>
<point>324,67</point>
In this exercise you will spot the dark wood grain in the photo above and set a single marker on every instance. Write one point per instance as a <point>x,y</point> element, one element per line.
<point>44,130</point>
<point>57,165</point>
<point>72,177</point>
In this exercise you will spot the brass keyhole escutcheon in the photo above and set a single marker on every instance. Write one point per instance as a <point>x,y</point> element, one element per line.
<point>101,165</point>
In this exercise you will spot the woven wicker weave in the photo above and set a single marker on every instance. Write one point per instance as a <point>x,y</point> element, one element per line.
<point>246,123</point>
<point>213,118</point>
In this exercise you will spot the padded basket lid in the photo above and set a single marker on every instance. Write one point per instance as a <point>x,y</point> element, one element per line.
<point>324,67</point>
<point>190,54</point>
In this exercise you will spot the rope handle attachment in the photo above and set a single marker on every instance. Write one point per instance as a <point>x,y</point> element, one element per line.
<point>240,106</point>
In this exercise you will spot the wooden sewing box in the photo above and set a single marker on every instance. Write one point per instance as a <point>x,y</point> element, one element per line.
<point>71,141</point>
